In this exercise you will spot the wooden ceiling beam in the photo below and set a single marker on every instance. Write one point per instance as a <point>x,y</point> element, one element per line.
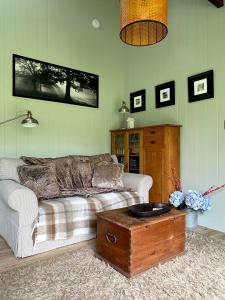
<point>217,3</point>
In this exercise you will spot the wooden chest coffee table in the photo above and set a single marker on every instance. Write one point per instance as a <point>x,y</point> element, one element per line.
<point>132,245</point>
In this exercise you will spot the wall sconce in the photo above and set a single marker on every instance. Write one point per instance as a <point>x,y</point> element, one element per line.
<point>29,121</point>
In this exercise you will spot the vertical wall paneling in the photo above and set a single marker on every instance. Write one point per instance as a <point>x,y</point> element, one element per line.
<point>194,44</point>
<point>60,32</point>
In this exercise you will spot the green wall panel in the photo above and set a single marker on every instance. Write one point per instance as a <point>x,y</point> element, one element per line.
<point>60,32</point>
<point>195,43</point>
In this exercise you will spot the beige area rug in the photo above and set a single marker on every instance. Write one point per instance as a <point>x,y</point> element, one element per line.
<point>199,274</point>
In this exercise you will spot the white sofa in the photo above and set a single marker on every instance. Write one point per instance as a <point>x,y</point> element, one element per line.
<point>19,211</point>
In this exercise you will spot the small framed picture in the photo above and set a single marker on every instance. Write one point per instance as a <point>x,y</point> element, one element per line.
<point>137,101</point>
<point>201,86</point>
<point>165,94</point>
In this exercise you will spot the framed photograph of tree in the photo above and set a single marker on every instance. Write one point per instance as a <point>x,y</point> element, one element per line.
<point>41,80</point>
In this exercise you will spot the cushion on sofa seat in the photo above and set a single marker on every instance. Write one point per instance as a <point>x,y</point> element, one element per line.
<point>107,175</point>
<point>8,168</point>
<point>80,218</point>
<point>41,179</point>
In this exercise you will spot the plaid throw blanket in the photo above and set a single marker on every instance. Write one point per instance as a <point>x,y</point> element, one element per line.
<point>64,218</point>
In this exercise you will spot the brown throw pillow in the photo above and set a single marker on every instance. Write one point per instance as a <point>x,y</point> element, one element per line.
<point>81,173</point>
<point>72,171</point>
<point>108,175</point>
<point>41,179</point>
<point>95,159</point>
<point>63,169</point>
<point>40,160</point>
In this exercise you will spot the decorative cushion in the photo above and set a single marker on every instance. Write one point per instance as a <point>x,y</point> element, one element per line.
<point>72,171</point>
<point>63,173</point>
<point>63,169</point>
<point>40,160</point>
<point>81,173</point>
<point>41,179</point>
<point>108,175</point>
<point>8,168</point>
<point>95,159</point>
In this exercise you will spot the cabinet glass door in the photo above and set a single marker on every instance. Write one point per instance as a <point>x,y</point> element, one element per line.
<point>120,147</point>
<point>134,152</point>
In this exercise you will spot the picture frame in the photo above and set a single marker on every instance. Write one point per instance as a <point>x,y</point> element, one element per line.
<point>201,86</point>
<point>138,101</point>
<point>165,94</point>
<point>45,81</point>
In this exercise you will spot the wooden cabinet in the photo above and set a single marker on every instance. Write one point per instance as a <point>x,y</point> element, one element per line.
<point>151,150</point>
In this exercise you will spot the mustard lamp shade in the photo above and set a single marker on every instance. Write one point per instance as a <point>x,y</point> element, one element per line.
<point>143,22</point>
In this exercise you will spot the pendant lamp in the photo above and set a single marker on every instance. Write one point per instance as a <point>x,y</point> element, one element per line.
<point>143,22</point>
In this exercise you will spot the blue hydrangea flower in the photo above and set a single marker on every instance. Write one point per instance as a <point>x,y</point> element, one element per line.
<point>197,201</point>
<point>176,198</point>
<point>207,204</point>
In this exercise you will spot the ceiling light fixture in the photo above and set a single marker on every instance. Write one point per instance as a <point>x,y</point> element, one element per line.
<point>143,22</point>
<point>96,24</point>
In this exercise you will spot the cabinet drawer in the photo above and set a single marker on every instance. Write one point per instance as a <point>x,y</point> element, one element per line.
<point>154,137</point>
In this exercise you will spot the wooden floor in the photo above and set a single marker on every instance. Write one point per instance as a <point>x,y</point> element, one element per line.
<point>8,261</point>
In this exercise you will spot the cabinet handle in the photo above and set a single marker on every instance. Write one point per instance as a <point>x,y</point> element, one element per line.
<point>111,238</point>
<point>152,131</point>
<point>152,142</point>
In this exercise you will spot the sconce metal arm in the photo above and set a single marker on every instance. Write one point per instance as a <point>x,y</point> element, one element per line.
<point>12,119</point>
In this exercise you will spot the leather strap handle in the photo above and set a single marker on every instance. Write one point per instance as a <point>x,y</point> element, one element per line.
<point>111,238</point>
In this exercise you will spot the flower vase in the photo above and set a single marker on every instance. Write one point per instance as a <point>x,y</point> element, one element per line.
<point>191,219</point>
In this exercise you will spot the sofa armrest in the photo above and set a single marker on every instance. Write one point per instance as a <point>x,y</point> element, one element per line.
<point>20,199</point>
<point>138,182</point>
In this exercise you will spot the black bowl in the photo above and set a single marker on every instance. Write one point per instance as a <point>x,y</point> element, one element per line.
<point>149,209</point>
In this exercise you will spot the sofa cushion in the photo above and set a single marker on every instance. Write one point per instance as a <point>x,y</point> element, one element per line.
<point>81,173</point>
<point>80,218</point>
<point>63,173</point>
<point>63,169</point>
<point>108,175</point>
<point>41,160</point>
<point>72,171</point>
<point>8,168</point>
<point>41,179</point>
<point>95,159</point>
